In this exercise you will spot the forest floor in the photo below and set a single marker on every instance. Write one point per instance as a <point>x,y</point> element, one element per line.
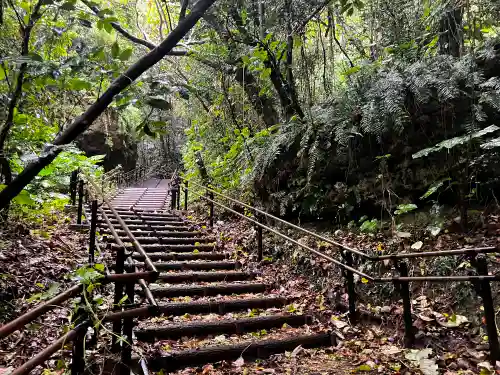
<point>448,319</point>
<point>451,337</point>
<point>36,261</point>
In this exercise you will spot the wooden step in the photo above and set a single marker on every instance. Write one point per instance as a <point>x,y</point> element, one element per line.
<point>182,277</point>
<point>248,350</point>
<point>155,248</point>
<point>228,326</point>
<point>198,266</point>
<point>154,233</point>
<point>208,290</point>
<point>166,240</point>
<point>181,256</point>
<point>157,227</point>
<point>140,222</point>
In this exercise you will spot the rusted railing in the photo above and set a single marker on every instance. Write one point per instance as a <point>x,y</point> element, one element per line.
<point>481,281</point>
<point>124,282</point>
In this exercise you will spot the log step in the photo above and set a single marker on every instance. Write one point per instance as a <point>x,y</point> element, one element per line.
<point>154,248</point>
<point>249,350</point>
<point>229,326</point>
<point>140,222</point>
<point>155,227</point>
<point>148,217</point>
<point>165,240</point>
<point>220,307</point>
<point>153,232</point>
<point>181,256</point>
<point>208,290</point>
<point>146,213</point>
<point>172,266</point>
<point>182,277</point>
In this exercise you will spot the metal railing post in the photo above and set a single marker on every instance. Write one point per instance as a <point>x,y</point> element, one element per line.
<point>117,324</point>
<point>173,192</point>
<point>351,290</point>
<point>185,196</point>
<point>404,290</point>
<point>260,246</point>
<point>93,230</point>
<point>72,186</point>
<point>78,348</point>
<point>484,290</point>
<point>128,326</point>
<point>211,196</point>
<point>80,203</point>
<point>178,197</point>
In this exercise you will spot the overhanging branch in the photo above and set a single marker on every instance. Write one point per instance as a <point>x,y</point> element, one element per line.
<point>82,123</point>
<point>129,36</point>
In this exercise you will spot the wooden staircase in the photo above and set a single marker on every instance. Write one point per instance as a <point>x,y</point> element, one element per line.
<point>199,279</point>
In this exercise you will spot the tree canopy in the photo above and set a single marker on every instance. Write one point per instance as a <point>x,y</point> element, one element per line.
<point>310,107</point>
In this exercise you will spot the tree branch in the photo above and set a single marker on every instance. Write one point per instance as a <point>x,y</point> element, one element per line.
<point>82,123</point>
<point>182,13</point>
<point>129,36</point>
<point>300,28</point>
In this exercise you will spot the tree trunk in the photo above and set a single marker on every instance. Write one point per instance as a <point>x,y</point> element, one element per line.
<point>262,104</point>
<point>82,123</point>
<point>451,38</point>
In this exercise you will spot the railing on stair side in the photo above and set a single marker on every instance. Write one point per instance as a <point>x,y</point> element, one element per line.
<point>77,335</point>
<point>349,255</point>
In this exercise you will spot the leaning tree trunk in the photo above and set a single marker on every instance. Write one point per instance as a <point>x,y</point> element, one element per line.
<point>82,123</point>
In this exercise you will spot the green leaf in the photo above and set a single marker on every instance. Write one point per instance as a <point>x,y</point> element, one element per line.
<point>24,198</point>
<point>35,57</point>
<point>452,142</point>
<point>115,50</point>
<point>352,70</point>
<point>99,267</point>
<point>79,84</point>
<point>404,208</point>
<point>104,12</point>
<point>125,55</point>
<point>434,188</point>
<point>108,27</point>
<point>110,19</point>
<point>2,72</point>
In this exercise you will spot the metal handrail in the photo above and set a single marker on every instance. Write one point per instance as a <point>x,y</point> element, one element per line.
<point>478,250</point>
<point>481,281</point>
<point>342,265</point>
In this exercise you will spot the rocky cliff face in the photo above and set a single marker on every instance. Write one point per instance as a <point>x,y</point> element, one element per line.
<point>105,138</point>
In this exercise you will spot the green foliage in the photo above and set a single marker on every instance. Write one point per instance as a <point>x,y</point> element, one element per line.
<point>369,226</point>
<point>405,208</point>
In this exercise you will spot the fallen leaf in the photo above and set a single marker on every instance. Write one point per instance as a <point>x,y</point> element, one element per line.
<point>296,351</point>
<point>417,245</point>
<point>239,362</point>
<point>428,367</point>
<point>391,350</point>
<point>403,234</point>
